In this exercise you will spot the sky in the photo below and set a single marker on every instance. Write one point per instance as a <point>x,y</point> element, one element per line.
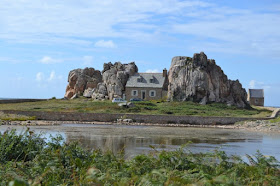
<point>41,41</point>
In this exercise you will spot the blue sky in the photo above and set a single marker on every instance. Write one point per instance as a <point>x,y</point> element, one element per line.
<point>41,41</point>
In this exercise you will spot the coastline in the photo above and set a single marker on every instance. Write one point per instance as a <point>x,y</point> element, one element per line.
<point>257,126</point>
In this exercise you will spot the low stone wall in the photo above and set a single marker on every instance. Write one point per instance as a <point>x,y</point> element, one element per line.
<point>20,100</point>
<point>156,119</point>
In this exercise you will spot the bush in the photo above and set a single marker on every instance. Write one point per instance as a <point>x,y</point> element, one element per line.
<point>27,159</point>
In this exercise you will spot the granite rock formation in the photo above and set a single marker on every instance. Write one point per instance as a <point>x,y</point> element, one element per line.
<point>81,79</point>
<point>200,80</point>
<point>114,77</point>
<point>91,83</point>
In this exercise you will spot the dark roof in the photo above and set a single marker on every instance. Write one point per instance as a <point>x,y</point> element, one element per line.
<point>256,93</point>
<point>144,80</point>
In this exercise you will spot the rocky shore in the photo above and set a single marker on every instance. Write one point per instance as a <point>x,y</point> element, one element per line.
<point>259,125</point>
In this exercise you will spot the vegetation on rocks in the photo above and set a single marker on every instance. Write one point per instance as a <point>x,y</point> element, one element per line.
<point>157,107</point>
<point>27,159</point>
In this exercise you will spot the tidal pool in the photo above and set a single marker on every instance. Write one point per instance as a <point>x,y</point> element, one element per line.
<point>133,140</point>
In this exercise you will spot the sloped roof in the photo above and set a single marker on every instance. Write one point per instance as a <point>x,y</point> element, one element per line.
<point>256,93</point>
<point>145,80</point>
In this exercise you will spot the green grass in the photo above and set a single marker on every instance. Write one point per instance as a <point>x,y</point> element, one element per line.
<point>26,159</point>
<point>145,107</point>
<point>276,120</point>
<point>15,117</point>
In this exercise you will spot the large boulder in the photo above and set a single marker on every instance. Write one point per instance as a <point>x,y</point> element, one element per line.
<point>200,80</point>
<point>114,79</point>
<point>81,79</point>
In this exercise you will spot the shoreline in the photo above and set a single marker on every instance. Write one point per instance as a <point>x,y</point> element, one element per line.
<point>255,126</point>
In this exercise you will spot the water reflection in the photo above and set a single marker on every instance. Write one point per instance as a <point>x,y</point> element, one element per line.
<point>133,140</point>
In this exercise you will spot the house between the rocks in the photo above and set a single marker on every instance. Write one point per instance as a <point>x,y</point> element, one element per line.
<point>147,86</point>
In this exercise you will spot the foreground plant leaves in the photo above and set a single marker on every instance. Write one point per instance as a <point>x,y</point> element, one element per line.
<point>26,159</point>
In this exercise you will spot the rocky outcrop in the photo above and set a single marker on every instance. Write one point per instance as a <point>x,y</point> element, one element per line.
<point>81,79</point>
<point>114,77</point>
<point>200,80</point>
<point>90,83</point>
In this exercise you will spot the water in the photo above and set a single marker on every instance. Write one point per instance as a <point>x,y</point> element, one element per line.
<point>133,140</point>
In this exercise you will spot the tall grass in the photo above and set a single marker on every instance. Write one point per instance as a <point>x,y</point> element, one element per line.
<point>26,159</point>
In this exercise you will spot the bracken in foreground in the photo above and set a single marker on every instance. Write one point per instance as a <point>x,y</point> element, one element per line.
<point>27,159</point>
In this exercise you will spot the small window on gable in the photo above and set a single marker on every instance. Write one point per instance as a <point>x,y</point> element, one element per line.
<point>152,80</point>
<point>256,100</point>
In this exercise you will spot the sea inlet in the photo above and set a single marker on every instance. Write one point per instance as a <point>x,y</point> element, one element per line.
<point>134,140</point>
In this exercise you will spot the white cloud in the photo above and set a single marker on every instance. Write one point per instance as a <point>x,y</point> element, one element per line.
<point>214,27</point>
<point>259,85</point>
<point>152,71</point>
<point>19,78</point>
<point>39,19</point>
<point>49,60</point>
<point>52,76</point>
<point>231,30</point>
<point>105,44</point>
<point>252,84</point>
<point>40,76</point>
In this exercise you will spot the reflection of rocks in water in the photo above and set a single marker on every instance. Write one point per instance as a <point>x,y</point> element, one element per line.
<point>133,145</point>
<point>105,143</point>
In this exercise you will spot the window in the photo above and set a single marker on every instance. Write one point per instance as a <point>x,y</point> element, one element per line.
<point>152,93</point>
<point>256,101</point>
<point>140,79</point>
<point>134,93</point>
<point>152,80</point>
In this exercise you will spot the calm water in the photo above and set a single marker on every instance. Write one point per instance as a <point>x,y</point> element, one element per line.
<point>135,140</point>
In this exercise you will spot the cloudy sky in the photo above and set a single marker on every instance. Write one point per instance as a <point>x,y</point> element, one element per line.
<point>41,41</point>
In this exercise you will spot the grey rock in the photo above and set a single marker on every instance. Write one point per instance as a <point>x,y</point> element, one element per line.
<point>115,78</point>
<point>90,83</point>
<point>122,105</point>
<point>126,105</point>
<point>81,79</point>
<point>127,120</point>
<point>200,80</point>
<point>130,105</point>
<point>203,101</point>
<point>88,92</point>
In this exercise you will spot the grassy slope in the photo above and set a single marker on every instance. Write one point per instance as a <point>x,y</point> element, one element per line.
<point>147,107</point>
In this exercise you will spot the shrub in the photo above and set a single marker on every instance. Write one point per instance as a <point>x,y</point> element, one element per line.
<point>27,159</point>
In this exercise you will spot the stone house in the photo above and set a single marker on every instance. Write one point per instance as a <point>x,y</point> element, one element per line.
<point>147,86</point>
<point>256,97</point>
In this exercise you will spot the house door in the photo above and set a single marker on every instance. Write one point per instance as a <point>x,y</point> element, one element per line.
<point>143,95</point>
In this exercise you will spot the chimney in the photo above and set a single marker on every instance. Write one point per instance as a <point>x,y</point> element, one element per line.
<point>164,72</point>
